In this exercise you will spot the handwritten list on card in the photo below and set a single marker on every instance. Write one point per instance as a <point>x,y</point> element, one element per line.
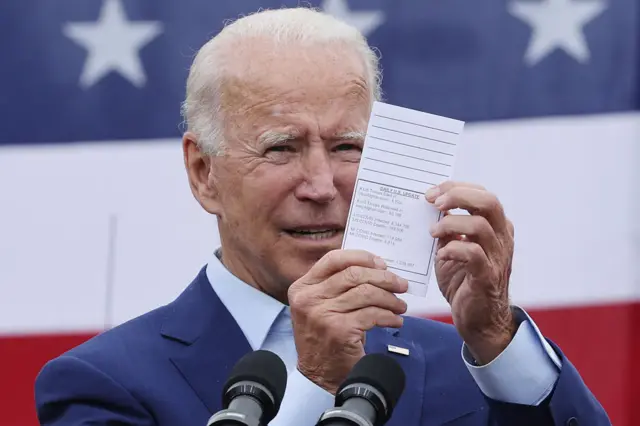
<point>406,152</point>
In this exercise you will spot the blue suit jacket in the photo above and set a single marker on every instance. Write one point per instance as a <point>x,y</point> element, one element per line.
<point>168,367</point>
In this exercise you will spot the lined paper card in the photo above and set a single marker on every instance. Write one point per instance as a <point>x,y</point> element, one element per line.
<point>406,152</point>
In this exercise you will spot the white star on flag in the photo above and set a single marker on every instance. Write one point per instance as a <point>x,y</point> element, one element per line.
<point>557,24</point>
<point>365,22</point>
<point>113,44</point>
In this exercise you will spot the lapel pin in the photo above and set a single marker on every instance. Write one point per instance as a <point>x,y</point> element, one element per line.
<point>398,350</point>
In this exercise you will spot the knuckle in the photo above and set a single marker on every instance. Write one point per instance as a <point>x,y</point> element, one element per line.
<point>493,203</point>
<point>294,298</point>
<point>388,277</point>
<point>384,317</point>
<point>365,291</point>
<point>480,223</point>
<point>297,297</point>
<point>332,256</point>
<point>354,274</point>
<point>476,250</point>
<point>371,315</point>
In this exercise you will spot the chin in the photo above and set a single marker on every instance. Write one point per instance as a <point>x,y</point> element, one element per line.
<point>296,267</point>
<point>299,263</point>
<point>298,255</point>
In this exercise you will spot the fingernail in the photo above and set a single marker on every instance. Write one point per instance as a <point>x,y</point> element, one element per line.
<point>380,263</point>
<point>439,201</point>
<point>432,229</point>
<point>432,193</point>
<point>405,284</point>
<point>402,283</point>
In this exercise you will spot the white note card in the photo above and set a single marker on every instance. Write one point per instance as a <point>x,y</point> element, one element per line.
<point>406,152</point>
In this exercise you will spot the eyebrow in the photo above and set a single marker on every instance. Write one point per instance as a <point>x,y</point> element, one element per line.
<point>272,138</point>
<point>350,136</point>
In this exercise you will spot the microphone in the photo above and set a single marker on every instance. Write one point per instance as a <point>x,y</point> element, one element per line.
<point>368,395</point>
<point>253,393</point>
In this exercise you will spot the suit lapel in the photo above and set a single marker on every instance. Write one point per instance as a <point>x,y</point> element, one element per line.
<point>451,394</point>
<point>408,411</point>
<point>213,341</point>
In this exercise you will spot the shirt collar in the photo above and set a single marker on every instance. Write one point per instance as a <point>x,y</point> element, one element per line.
<point>253,310</point>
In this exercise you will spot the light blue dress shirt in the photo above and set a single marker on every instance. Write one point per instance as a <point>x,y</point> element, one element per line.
<point>524,373</point>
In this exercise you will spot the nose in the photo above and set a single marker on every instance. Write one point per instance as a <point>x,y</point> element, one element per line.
<point>318,183</point>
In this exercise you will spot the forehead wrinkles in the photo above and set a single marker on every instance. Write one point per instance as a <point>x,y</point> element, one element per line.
<point>242,97</point>
<point>262,73</point>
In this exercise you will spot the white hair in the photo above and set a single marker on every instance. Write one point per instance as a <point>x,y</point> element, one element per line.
<point>202,110</point>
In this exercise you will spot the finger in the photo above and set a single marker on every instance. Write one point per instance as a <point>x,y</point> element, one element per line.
<point>464,251</point>
<point>437,190</point>
<point>367,318</point>
<point>476,202</point>
<point>339,260</point>
<point>442,241</point>
<point>355,276</point>
<point>467,228</point>
<point>366,295</point>
<point>449,288</point>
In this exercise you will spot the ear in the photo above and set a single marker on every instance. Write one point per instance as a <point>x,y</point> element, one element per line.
<point>198,165</point>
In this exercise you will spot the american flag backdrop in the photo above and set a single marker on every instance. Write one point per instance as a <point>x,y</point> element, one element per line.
<point>97,223</point>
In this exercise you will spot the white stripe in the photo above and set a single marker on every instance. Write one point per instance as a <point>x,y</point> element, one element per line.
<point>569,184</point>
<point>56,205</point>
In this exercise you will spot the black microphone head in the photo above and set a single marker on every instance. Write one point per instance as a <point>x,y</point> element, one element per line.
<point>266,369</point>
<point>381,372</point>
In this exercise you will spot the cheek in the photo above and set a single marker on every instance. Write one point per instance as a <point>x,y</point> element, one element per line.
<point>267,187</point>
<point>345,179</point>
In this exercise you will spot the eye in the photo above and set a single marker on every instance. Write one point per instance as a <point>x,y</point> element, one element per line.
<point>347,147</point>
<point>281,148</point>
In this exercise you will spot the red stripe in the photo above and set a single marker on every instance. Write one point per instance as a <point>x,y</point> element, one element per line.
<point>602,341</point>
<point>20,361</point>
<point>604,344</point>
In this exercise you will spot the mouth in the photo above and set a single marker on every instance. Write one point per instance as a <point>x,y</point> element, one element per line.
<point>315,233</point>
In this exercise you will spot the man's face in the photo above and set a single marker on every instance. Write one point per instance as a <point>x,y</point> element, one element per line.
<point>294,121</point>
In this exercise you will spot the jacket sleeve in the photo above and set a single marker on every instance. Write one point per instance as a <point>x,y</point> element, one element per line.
<point>70,391</point>
<point>570,403</point>
<point>524,373</point>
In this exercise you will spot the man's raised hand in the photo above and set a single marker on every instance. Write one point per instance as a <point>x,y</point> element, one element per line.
<point>345,294</point>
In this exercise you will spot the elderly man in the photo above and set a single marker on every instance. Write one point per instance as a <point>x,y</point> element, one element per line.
<point>276,108</point>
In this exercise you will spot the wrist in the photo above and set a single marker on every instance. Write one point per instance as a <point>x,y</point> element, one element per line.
<point>318,378</point>
<point>488,344</point>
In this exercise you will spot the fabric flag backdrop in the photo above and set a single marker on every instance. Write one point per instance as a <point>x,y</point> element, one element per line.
<point>97,224</point>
